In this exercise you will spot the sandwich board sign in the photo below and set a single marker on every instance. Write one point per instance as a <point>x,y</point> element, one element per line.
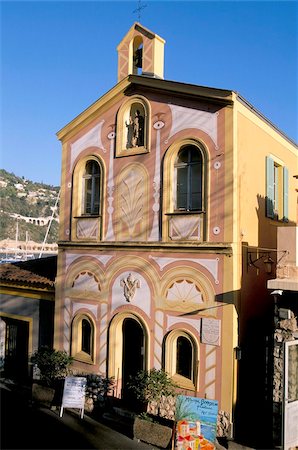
<point>74,394</point>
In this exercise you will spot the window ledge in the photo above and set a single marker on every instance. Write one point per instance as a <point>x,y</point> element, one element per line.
<point>83,357</point>
<point>132,151</point>
<point>183,382</point>
<point>184,212</point>
<point>88,216</point>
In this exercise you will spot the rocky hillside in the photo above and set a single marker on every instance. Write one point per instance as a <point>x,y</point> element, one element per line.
<point>27,206</point>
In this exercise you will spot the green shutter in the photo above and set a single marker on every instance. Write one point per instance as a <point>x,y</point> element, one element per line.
<point>269,187</point>
<point>286,194</point>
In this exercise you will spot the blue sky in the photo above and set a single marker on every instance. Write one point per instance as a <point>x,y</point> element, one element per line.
<point>57,58</point>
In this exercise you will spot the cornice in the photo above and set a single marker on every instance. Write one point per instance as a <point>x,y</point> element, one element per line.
<point>130,83</point>
<point>222,96</point>
<point>213,248</point>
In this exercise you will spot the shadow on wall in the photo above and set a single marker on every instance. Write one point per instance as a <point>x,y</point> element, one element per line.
<point>256,328</point>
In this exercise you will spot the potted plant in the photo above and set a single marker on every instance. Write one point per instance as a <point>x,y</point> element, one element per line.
<point>52,367</point>
<point>97,393</point>
<point>152,387</point>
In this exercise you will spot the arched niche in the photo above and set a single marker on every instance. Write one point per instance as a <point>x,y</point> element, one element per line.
<point>133,127</point>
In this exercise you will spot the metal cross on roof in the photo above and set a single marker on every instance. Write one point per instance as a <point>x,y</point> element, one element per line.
<point>139,9</point>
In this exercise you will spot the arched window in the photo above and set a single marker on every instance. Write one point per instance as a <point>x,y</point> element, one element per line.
<point>188,175</point>
<point>184,357</point>
<point>180,358</point>
<point>82,348</point>
<point>91,187</point>
<point>87,199</point>
<point>185,206</point>
<point>86,336</point>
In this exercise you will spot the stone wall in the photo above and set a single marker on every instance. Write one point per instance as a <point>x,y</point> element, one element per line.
<point>284,331</point>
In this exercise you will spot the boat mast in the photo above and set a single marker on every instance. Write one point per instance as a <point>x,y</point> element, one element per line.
<point>49,225</point>
<point>17,237</point>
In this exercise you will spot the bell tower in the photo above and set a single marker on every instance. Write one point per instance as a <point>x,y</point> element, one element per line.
<point>140,52</point>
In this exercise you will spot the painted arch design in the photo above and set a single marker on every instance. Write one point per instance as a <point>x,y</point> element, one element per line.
<point>85,279</point>
<point>191,292</point>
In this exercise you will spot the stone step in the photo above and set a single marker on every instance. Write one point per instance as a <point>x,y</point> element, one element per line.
<point>124,412</point>
<point>119,422</point>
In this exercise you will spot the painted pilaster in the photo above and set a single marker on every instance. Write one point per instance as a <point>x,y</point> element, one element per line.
<point>110,232</point>
<point>155,234</point>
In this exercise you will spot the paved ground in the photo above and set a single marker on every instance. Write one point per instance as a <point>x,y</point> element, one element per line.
<point>24,426</point>
<point>27,427</point>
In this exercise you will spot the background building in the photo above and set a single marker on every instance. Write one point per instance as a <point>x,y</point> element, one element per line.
<point>26,314</point>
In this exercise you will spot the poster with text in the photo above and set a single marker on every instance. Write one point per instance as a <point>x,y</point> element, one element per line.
<point>196,420</point>
<point>74,392</point>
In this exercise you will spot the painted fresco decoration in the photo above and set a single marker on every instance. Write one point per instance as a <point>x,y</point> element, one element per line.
<point>85,284</point>
<point>129,285</point>
<point>110,188</point>
<point>87,228</point>
<point>172,321</point>
<point>72,257</point>
<point>132,201</point>
<point>183,118</point>
<point>91,139</point>
<point>210,264</point>
<point>132,207</point>
<point>155,233</point>
<point>185,228</point>
<point>184,291</point>
<point>76,306</point>
<point>196,423</point>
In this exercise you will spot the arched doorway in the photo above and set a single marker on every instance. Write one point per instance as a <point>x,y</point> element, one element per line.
<point>128,350</point>
<point>132,352</point>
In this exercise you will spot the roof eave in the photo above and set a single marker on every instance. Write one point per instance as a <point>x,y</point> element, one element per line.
<point>221,96</point>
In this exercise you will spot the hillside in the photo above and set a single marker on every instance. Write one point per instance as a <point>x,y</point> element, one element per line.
<point>30,205</point>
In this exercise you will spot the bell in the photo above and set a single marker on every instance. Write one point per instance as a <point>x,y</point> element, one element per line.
<point>138,57</point>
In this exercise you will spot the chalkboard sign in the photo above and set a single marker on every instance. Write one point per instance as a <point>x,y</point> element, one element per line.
<point>74,394</point>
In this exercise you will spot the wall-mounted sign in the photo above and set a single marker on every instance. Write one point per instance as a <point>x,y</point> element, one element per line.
<point>210,331</point>
<point>74,394</point>
<point>196,420</point>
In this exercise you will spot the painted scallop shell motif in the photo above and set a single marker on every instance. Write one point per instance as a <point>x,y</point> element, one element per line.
<point>183,291</point>
<point>86,281</point>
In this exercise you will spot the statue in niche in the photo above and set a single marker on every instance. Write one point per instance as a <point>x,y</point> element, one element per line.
<point>130,285</point>
<point>135,130</point>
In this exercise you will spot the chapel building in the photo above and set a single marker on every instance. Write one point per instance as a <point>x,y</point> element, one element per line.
<point>171,195</point>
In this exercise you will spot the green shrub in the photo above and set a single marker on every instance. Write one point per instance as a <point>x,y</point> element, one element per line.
<point>152,385</point>
<point>53,364</point>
